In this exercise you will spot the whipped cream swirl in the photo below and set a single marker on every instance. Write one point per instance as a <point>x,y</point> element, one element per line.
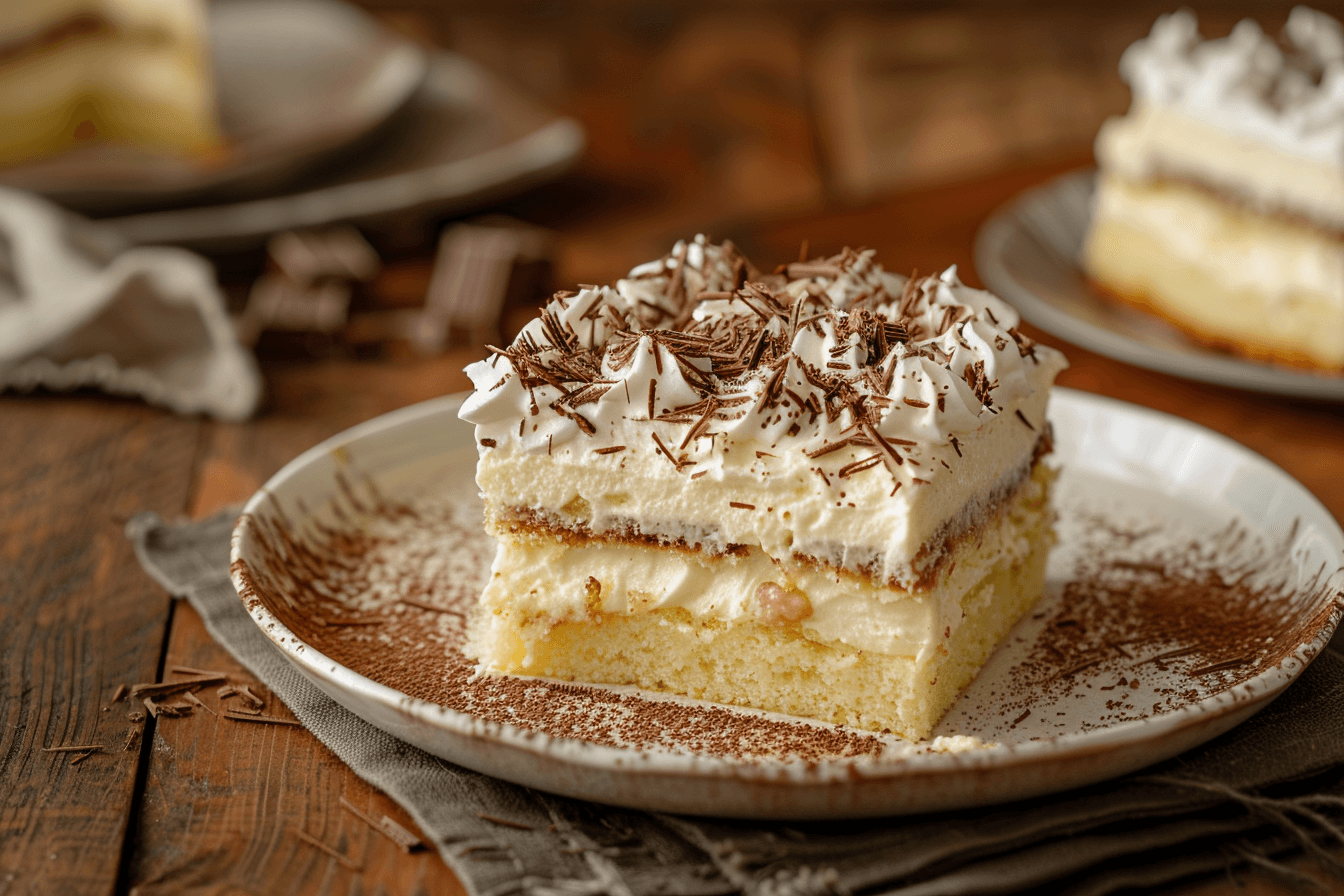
<point>1290,97</point>
<point>712,358</point>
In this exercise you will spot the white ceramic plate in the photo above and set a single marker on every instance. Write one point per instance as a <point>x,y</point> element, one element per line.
<point>1027,253</point>
<point>1129,659</point>
<point>295,81</point>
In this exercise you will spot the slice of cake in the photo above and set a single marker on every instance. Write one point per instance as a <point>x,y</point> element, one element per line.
<point>130,71</point>
<point>819,492</point>
<point>1220,203</point>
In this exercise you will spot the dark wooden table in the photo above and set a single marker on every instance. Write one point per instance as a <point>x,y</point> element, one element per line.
<point>901,132</point>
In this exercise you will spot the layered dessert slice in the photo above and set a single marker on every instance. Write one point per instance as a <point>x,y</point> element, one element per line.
<point>129,71</point>
<point>1220,203</point>
<point>820,492</point>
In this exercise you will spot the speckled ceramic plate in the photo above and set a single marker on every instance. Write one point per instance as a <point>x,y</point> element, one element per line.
<point>1188,589</point>
<point>1027,253</point>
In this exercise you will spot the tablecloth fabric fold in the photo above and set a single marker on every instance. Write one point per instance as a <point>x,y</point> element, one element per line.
<point>80,307</point>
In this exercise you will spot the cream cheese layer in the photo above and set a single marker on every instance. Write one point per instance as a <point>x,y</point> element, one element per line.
<point>549,581</point>
<point>1280,261</point>
<point>875,520</point>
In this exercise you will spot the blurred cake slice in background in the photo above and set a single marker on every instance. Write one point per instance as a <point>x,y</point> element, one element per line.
<point>74,72</point>
<point>1220,203</point>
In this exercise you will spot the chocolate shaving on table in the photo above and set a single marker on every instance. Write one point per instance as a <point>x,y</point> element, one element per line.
<point>386,826</point>
<point>254,717</point>
<point>170,710</point>
<point>169,688</point>
<point>193,699</point>
<point>340,857</point>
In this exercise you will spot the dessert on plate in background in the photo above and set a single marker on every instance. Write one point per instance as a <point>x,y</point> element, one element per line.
<point>79,72</point>
<point>1220,201</point>
<point>820,492</point>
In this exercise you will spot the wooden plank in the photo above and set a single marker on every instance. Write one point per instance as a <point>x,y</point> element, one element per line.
<point>697,119</point>
<point>79,618</point>
<point>932,96</point>
<point>230,806</point>
<point>225,801</point>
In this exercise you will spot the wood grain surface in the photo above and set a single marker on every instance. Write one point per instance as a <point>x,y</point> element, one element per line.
<point>840,124</point>
<point>78,618</point>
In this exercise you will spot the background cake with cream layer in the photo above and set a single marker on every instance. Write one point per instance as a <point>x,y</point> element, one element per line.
<point>819,492</point>
<point>131,71</point>
<point>1220,204</point>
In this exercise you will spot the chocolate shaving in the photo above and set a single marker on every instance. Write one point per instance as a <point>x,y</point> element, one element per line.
<point>859,466</point>
<point>1222,667</point>
<point>168,688</point>
<point>386,826</point>
<point>196,701</point>
<point>804,270</point>
<point>340,857</point>
<point>248,717</point>
<point>663,449</point>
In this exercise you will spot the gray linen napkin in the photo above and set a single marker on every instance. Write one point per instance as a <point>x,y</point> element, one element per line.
<point>80,307</point>
<point>1272,786</point>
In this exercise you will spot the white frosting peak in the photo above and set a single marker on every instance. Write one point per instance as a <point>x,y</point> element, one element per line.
<point>1245,84</point>
<point>689,352</point>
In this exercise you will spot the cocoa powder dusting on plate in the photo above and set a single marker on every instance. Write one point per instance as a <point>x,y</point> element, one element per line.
<point>1147,621</point>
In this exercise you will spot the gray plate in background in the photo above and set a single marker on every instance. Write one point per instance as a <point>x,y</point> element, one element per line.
<point>295,82</point>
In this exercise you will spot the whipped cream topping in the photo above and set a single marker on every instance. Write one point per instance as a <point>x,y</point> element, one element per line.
<point>1290,97</point>
<point>709,359</point>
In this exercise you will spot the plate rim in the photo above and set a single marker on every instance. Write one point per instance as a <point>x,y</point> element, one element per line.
<point>440,187</point>
<point>1201,365</point>
<point>1236,702</point>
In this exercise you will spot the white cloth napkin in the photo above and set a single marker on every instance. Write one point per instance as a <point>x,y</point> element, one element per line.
<point>79,307</point>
